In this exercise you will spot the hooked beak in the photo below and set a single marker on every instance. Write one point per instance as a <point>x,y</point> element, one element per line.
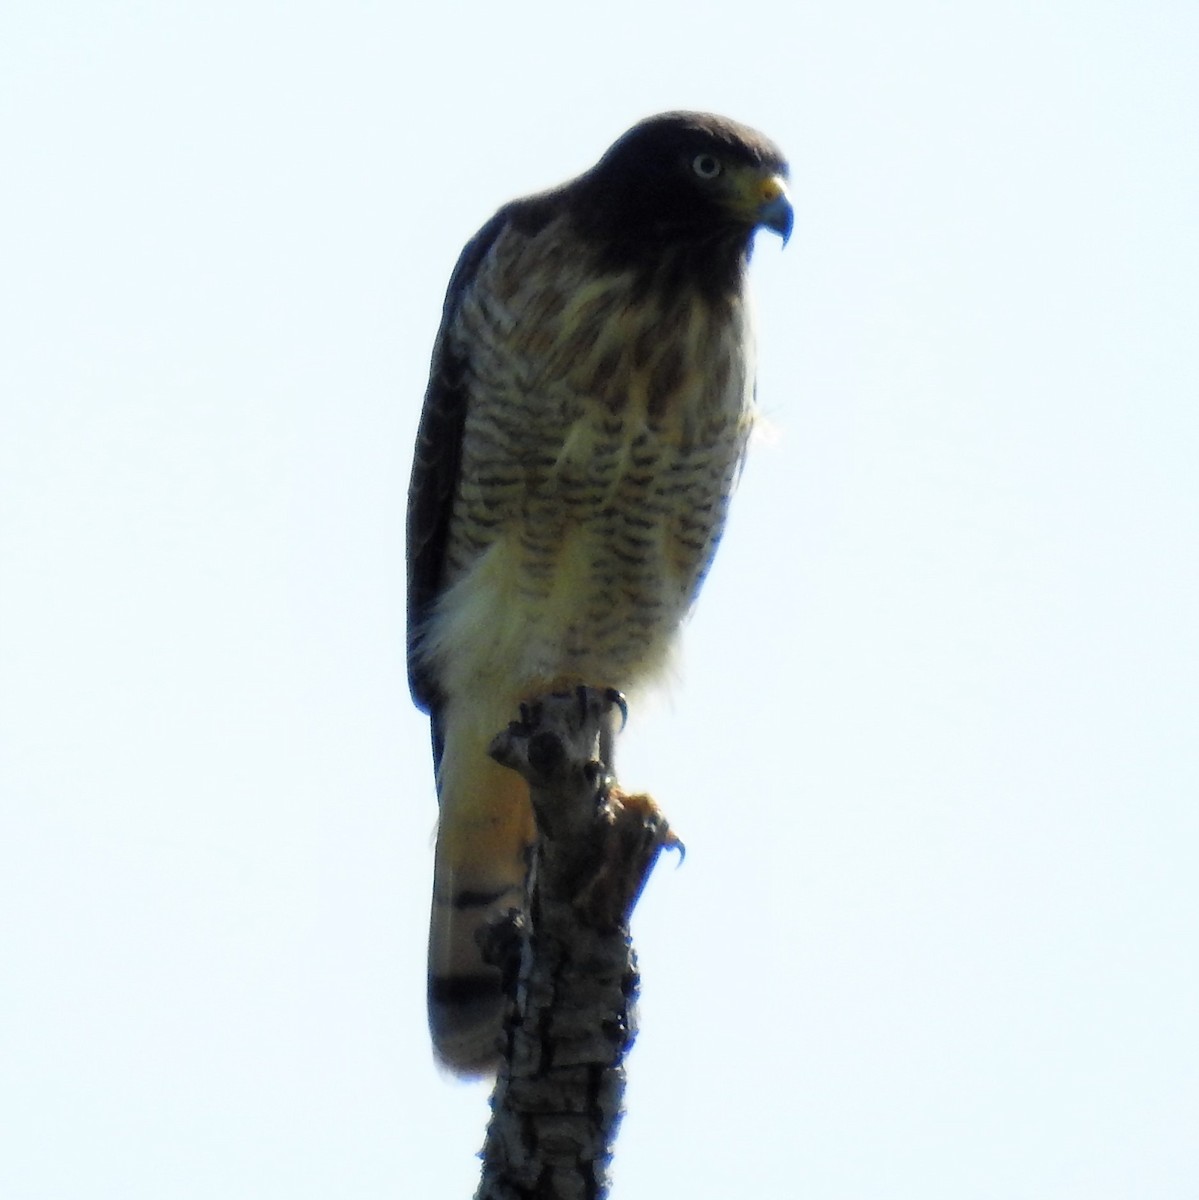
<point>774,207</point>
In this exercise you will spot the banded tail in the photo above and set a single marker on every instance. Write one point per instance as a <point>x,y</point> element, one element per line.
<point>483,839</point>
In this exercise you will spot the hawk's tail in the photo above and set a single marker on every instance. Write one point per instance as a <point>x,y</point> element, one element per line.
<point>482,851</point>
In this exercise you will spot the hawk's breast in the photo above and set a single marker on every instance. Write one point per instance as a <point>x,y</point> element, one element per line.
<point>605,426</point>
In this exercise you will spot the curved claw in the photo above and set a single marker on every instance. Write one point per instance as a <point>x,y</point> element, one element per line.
<point>615,697</point>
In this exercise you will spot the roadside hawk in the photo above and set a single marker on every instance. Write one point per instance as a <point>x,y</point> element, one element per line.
<point>588,406</point>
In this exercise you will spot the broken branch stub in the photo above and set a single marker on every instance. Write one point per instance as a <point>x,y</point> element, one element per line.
<point>556,1104</point>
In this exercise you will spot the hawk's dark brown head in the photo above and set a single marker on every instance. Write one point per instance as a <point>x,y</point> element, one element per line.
<point>685,169</point>
<point>690,187</point>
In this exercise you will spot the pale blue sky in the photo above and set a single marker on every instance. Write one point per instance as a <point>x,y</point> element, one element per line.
<point>932,744</point>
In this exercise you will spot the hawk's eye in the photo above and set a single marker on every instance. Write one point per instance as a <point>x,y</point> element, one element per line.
<point>706,166</point>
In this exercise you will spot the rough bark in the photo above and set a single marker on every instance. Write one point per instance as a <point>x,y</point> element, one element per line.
<point>557,1099</point>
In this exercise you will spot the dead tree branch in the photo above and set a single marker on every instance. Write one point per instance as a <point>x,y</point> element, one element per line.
<point>557,1099</point>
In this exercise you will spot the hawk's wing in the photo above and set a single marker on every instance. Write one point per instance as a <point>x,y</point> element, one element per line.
<point>435,464</point>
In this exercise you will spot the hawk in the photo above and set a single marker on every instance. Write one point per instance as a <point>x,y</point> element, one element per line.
<point>588,406</point>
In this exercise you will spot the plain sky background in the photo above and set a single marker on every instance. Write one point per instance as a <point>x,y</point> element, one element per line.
<point>932,742</point>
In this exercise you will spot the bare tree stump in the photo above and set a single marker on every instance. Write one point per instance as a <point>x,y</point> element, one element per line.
<point>557,1099</point>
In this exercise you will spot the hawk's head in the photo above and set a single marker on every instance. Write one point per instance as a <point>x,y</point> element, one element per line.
<point>684,177</point>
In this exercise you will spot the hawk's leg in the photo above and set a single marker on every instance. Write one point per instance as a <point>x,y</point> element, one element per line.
<point>614,702</point>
